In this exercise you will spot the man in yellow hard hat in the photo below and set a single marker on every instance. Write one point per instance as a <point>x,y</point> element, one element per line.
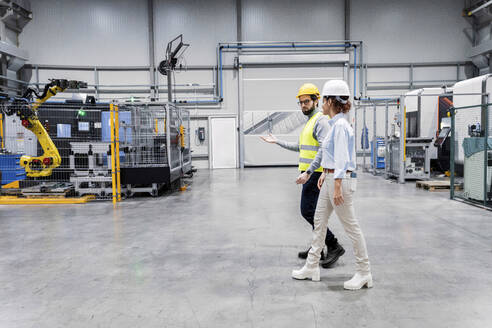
<point>314,131</point>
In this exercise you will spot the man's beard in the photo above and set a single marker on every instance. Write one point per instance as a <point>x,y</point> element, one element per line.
<point>309,111</point>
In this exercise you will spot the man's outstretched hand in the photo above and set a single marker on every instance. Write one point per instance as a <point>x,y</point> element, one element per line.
<point>270,138</point>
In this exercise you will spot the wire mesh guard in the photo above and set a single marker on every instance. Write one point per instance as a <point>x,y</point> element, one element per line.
<point>471,169</point>
<point>64,149</point>
<point>154,146</point>
<point>377,136</point>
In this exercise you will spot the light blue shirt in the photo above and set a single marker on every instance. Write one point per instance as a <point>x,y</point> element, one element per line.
<point>338,148</point>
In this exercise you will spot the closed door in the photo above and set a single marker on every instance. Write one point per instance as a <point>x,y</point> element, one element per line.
<point>223,142</point>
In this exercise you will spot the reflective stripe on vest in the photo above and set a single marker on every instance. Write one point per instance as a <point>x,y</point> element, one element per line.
<point>308,146</point>
<point>305,147</point>
<point>305,160</point>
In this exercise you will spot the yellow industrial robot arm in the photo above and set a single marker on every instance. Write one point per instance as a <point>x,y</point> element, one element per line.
<point>40,166</point>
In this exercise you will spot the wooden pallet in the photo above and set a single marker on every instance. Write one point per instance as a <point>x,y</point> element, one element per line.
<point>437,185</point>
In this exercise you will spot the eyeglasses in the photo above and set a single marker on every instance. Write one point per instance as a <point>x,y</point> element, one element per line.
<point>304,102</point>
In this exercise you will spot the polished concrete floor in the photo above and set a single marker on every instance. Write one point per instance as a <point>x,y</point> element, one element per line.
<point>221,254</point>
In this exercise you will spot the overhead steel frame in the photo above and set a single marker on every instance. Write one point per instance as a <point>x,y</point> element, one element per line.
<point>411,83</point>
<point>210,88</point>
<point>125,89</point>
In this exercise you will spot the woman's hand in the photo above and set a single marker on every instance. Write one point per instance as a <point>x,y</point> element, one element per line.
<point>337,194</point>
<point>302,178</point>
<point>321,180</point>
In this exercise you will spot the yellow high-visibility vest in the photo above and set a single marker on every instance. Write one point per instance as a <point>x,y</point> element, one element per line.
<point>308,146</point>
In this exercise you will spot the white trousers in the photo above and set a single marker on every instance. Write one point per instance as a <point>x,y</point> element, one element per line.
<point>346,214</point>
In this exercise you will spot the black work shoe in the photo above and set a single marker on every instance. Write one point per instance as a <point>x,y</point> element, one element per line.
<point>332,256</point>
<point>304,255</point>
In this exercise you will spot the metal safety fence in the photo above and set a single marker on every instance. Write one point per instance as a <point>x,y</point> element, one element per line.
<point>74,152</point>
<point>154,144</point>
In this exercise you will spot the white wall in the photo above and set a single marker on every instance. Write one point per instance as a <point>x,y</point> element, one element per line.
<point>410,31</point>
<point>89,32</point>
<point>203,24</point>
<point>291,20</point>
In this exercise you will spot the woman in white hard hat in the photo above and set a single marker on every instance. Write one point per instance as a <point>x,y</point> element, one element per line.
<point>337,184</point>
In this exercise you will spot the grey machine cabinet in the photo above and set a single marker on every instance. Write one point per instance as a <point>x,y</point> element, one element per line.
<point>417,157</point>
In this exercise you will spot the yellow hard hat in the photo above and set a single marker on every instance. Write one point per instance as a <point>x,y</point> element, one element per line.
<point>308,89</point>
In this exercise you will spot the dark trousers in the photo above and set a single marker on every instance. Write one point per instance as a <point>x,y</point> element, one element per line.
<point>309,199</point>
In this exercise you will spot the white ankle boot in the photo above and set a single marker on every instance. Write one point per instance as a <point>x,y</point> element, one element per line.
<point>306,273</point>
<point>358,281</point>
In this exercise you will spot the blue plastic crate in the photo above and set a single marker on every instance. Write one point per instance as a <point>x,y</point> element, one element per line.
<point>380,162</point>
<point>11,169</point>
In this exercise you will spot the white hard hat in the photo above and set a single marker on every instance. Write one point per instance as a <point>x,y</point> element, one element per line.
<point>336,88</point>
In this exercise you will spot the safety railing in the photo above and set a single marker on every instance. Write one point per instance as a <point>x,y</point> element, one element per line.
<point>115,151</point>
<point>471,155</point>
